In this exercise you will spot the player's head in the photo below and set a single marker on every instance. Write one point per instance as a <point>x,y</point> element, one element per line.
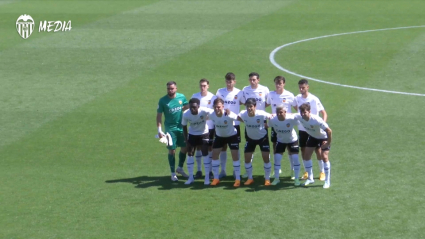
<point>305,111</point>
<point>251,104</point>
<point>281,112</point>
<point>303,86</point>
<point>230,80</point>
<point>254,78</point>
<point>204,84</point>
<point>279,82</point>
<point>218,105</point>
<point>171,88</point>
<point>194,105</point>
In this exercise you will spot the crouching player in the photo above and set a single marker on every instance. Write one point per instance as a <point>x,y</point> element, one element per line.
<point>319,135</point>
<point>256,134</point>
<point>225,134</point>
<point>283,124</point>
<point>198,134</point>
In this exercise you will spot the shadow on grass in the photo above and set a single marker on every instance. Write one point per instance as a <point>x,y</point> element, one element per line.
<point>165,183</point>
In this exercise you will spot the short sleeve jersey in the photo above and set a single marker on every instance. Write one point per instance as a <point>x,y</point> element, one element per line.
<point>285,129</point>
<point>231,100</point>
<point>207,102</point>
<point>286,98</point>
<point>315,126</point>
<point>254,125</point>
<point>197,122</point>
<point>314,102</point>
<point>260,95</point>
<point>224,124</point>
<point>172,109</point>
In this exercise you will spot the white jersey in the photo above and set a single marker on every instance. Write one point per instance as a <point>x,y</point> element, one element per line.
<point>260,95</point>
<point>231,100</point>
<point>315,126</point>
<point>286,98</point>
<point>314,102</point>
<point>224,124</point>
<point>254,125</point>
<point>285,129</point>
<point>197,122</point>
<point>206,101</point>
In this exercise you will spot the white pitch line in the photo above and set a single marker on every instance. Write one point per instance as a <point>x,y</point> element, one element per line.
<point>272,54</point>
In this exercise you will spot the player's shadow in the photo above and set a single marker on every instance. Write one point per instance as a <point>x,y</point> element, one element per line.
<point>161,182</point>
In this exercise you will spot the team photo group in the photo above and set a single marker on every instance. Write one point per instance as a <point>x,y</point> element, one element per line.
<point>208,124</point>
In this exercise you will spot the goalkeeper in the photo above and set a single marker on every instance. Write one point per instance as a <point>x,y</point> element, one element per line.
<point>172,105</point>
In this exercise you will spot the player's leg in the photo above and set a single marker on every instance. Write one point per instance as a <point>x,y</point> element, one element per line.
<point>311,145</point>
<point>327,166</point>
<point>273,138</point>
<point>172,156</point>
<point>318,152</point>
<point>248,151</point>
<point>210,144</point>
<point>293,150</point>
<point>302,138</point>
<point>280,149</point>
<point>198,159</point>
<point>265,153</point>
<point>234,150</point>
<point>190,146</point>
<point>182,154</point>
<point>218,144</point>
<point>291,165</point>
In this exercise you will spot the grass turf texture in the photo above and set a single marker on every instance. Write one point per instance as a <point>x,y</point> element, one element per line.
<point>78,158</point>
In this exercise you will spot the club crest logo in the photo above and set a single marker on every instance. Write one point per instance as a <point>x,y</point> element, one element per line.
<point>288,124</point>
<point>209,102</point>
<point>311,126</point>
<point>284,100</point>
<point>25,26</point>
<point>258,121</point>
<point>260,93</point>
<point>202,117</point>
<point>236,97</point>
<point>180,102</point>
<point>225,122</point>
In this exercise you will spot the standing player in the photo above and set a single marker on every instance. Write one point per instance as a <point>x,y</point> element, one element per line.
<point>256,134</point>
<point>283,124</point>
<point>316,106</point>
<point>172,106</point>
<point>226,134</point>
<point>206,98</point>
<point>320,136</point>
<point>256,91</point>
<point>231,97</point>
<point>198,133</point>
<point>282,97</point>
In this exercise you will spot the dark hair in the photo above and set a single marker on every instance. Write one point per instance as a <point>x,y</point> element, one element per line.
<point>218,100</point>
<point>254,74</point>
<point>304,107</point>
<point>251,101</point>
<point>279,78</point>
<point>230,76</point>
<point>171,83</point>
<point>194,100</point>
<point>302,82</point>
<point>204,80</point>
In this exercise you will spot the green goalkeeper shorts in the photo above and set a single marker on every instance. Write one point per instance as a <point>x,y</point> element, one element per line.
<point>178,139</point>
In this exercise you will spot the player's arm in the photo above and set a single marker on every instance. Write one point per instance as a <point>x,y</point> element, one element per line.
<point>324,115</point>
<point>159,124</point>
<point>329,140</point>
<point>185,107</point>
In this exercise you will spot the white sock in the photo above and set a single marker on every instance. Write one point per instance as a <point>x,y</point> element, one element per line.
<point>305,170</point>
<point>215,167</point>
<point>277,164</point>
<point>190,163</point>
<point>237,169</point>
<point>309,168</point>
<point>327,167</point>
<point>297,166</point>
<point>248,167</point>
<point>291,165</point>
<point>207,167</point>
<point>268,170</point>
<point>321,166</point>
<point>223,161</point>
<point>252,157</point>
<point>210,158</point>
<point>198,156</point>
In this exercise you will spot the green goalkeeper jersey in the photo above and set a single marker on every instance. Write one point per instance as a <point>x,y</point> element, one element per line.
<point>172,109</point>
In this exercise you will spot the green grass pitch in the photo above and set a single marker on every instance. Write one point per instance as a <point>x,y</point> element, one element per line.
<point>77,114</point>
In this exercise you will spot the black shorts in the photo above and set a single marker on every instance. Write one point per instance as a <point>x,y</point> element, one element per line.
<point>316,143</point>
<point>211,137</point>
<point>273,136</point>
<point>195,140</point>
<point>302,138</point>
<point>231,141</point>
<point>238,134</point>
<point>252,143</point>
<point>293,147</point>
